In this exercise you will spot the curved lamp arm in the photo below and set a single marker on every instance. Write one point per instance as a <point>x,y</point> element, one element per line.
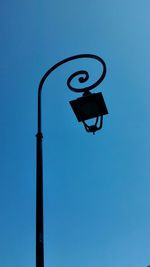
<point>82,79</point>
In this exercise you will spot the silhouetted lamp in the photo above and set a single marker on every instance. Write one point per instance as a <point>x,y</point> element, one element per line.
<point>87,107</point>
<point>90,106</point>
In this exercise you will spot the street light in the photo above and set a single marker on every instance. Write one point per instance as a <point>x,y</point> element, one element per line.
<point>86,107</point>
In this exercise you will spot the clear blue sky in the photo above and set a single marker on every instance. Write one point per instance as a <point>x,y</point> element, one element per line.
<point>96,188</point>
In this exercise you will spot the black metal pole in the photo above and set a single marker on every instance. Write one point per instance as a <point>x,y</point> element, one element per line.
<point>39,203</point>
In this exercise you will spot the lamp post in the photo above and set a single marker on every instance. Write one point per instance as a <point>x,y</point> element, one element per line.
<point>86,107</point>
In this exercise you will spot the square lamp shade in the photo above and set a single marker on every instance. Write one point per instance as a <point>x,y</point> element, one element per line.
<point>88,107</point>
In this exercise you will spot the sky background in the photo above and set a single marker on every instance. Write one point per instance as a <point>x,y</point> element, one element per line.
<point>96,188</point>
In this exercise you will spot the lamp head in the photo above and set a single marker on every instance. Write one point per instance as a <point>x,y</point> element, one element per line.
<point>89,106</point>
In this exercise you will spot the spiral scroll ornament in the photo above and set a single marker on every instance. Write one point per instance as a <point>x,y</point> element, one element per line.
<point>84,76</point>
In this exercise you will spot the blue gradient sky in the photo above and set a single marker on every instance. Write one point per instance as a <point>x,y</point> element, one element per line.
<point>96,188</point>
